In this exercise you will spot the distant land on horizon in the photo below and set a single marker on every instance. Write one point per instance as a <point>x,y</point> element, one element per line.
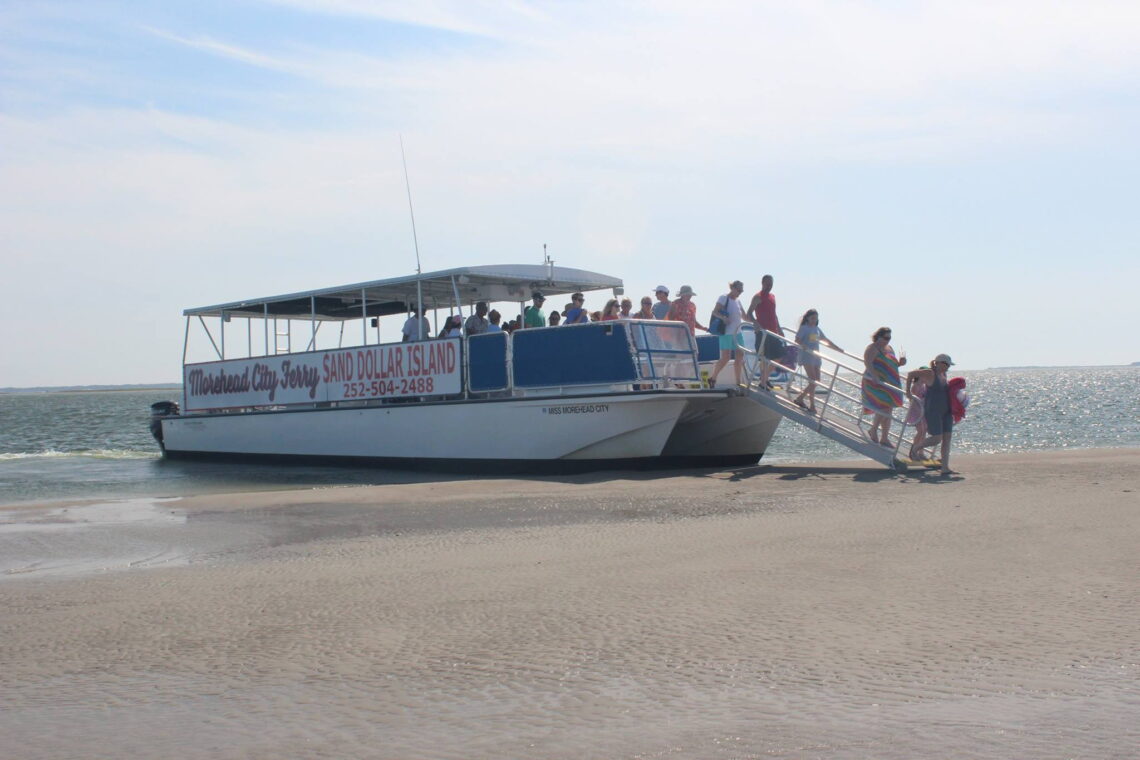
<point>94,388</point>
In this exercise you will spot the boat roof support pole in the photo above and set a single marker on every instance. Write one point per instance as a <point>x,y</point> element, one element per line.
<point>420,304</point>
<point>210,336</point>
<point>222,332</point>
<point>363,315</point>
<point>186,341</point>
<point>185,348</point>
<point>265,325</point>
<point>455,292</point>
<point>249,336</point>
<point>313,322</point>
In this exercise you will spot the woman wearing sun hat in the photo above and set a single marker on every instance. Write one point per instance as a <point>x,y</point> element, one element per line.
<point>936,407</point>
<point>684,310</point>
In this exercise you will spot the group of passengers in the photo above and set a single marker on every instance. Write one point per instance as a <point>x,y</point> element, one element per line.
<point>935,404</point>
<point>681,309</point>
<point>881,384</point>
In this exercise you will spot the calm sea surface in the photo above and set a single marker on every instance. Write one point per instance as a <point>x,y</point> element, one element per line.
<point>97,445</point>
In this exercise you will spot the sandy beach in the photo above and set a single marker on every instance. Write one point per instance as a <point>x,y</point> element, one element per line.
<point>812,611</point>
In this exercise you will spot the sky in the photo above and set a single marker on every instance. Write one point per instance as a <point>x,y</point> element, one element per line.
<point>964,172</point>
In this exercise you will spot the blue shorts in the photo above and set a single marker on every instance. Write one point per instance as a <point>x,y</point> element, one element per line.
<point>730,342</point>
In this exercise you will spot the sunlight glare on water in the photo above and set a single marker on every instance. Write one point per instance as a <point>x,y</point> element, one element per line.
<point>98,445</point>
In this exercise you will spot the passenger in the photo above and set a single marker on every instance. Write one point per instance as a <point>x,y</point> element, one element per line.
<point>415,329</point>
<point>575,313</point>
<point>728,309</point>
<point>533,316</point>
<point>809,336</point>
<point>612,310</point>
<point>477,322</point>
<point>763,311</point>
<point>936,409</point>
<point>554,319</point>
<point>626,308</point>
<point>494,318</point>
<point>595,316</point>
<point>646,309</point>
<point>684,310</point>
<point>452,327</point>
<point>661,308</point>
<point>881,384</point>
<point>915,415</point>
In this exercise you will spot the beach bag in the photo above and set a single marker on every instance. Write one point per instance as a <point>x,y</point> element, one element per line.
<point>791,355</point>
<point>716,324</point>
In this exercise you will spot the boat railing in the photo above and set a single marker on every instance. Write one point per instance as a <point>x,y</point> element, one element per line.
<point>617,354</point>
<point>840,384</point>
<point>603,357</point>
<point>488,360</point>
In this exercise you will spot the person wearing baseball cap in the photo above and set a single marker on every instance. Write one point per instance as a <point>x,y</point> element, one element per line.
<point>936,408</point>
<point>661,308</point>
<point>534,316</point>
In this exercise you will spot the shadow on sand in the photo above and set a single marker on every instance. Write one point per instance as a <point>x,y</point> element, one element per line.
<point>859,474</point>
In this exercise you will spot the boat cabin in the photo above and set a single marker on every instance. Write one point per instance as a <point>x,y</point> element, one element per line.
<point>324,348</point>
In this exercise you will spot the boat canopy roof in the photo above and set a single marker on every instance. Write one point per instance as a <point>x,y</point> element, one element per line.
<point>497,282</point>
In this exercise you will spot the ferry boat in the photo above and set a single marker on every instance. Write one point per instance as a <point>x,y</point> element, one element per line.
<point>304,377</point>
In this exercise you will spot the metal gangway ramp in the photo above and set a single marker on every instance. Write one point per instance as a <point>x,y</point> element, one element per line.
<point>840,416</point>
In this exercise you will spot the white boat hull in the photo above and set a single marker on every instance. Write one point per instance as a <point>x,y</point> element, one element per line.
<point>614,430</point>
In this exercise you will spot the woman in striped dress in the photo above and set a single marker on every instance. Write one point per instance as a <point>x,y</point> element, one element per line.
<point>882,390</point>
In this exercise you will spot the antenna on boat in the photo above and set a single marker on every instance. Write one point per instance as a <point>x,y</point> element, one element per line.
<point>411,209</point>
<point>549,262</point>
<point>416,243</point>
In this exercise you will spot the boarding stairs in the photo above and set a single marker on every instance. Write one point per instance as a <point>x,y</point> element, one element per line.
<point>839,407</point>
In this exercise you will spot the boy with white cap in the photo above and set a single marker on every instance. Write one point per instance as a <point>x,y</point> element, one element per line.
<point>661,308</point>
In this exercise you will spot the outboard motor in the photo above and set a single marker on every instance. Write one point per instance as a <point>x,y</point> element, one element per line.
<point>159,410</point>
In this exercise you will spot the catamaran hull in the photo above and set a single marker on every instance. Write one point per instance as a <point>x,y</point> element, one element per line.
<point>604,431</point>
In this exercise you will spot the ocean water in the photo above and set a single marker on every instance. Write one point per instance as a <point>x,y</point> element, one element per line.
<point>59,446</point>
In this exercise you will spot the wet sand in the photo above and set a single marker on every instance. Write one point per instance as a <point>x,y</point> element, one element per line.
<point>829,611</point>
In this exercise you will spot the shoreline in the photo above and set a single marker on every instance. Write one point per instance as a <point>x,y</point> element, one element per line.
<point>413,478</point>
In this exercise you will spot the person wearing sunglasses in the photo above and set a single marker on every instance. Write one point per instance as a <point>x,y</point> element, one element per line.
<point>729,310</point>
<point>534,316</point>
<point>882,386</point>
<point>576,314</point>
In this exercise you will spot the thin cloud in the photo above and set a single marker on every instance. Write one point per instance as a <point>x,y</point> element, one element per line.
<point>484,18</point>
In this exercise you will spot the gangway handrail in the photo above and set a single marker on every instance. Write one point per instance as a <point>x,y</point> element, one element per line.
<point>834,377</point>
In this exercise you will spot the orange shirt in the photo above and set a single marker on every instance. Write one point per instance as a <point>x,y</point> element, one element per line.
<point>684,312</point>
